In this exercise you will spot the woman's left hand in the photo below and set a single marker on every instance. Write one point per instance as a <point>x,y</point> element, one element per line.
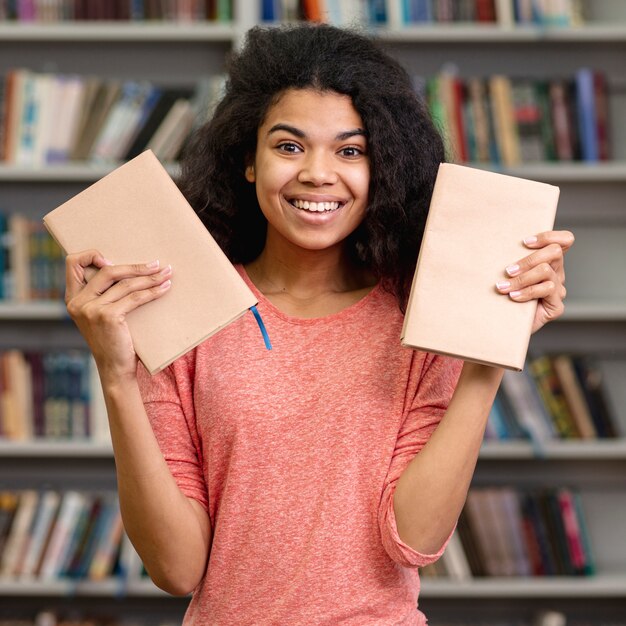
<point>540,276</point>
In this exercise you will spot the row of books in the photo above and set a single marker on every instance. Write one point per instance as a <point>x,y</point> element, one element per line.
<point>50,118</point>
<point>32,264</point>
<point>511,120</point>
<point>56,395</point>
<point>561,397</point>
<point>498,119</point>
<point>48,11</point>
<point>503,531</point>
<point>48,534</point>
<point>397,14</point>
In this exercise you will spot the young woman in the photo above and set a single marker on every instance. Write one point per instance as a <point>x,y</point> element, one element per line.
<point>306,484</point>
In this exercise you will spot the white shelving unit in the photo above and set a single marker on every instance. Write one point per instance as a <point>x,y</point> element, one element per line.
<point>595,320</point>
<point>494,33</point>
<point>529,588</point>
<point>118,31</point>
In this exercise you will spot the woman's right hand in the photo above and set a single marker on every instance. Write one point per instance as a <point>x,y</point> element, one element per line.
<point>99,307</point>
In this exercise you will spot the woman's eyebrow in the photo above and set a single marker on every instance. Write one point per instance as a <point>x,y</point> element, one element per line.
<point>286,127</point>
<point>351,133</point>
<point>302,135</point>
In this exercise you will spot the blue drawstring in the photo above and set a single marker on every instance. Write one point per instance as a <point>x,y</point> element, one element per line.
<point>266,337</point>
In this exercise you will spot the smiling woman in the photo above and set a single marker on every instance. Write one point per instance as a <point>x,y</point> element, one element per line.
<point>381,115</point>
<point>308,483</point>
<point>311,172</point>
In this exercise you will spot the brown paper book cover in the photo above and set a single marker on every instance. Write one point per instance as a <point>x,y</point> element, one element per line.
<point>137,214</point>
<point>475,228</point>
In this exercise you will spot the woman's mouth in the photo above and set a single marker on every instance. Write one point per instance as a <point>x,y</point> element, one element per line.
<point>315,207</point>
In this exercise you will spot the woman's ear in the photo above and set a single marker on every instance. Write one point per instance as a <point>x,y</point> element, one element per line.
<point>250,177</point>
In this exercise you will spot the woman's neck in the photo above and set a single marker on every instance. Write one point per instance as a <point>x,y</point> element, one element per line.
<point>307,276</point>
<point>313,284</point>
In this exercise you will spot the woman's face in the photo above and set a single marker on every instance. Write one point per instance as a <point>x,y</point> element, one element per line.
<point>311,169</point>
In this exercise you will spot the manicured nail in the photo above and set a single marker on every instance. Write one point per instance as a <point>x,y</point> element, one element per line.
<point>530,240</point>
<point>152,264</point>
<point>503,284</point>
<point>165,285</point>
<point>515,294</point>
<point>511,270</point>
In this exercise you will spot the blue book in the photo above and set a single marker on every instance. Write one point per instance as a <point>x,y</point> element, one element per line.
<point>586,111</point>
<point>377,12</point>
<point>421,11</point>
<point>269,12</point>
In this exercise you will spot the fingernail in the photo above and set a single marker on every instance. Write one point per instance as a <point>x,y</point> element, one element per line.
<point>152,264</point>
<point>530,240</point>
<point>106,261</point>
<point>511,270</point>
<point>503,284</point>
<point>515,294</point>
<point>165,285</point>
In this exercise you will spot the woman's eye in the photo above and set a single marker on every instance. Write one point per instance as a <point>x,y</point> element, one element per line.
<point>351,151</point>
<point>289,147</point>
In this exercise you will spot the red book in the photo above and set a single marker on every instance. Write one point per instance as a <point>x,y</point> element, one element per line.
<point>602,115</point>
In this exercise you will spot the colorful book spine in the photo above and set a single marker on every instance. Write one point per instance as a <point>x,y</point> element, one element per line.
<point>54,395</point>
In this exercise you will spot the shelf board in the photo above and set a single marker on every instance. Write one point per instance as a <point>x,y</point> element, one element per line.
<point>601,586</point>
<point>176,32</point>
<point>111,587</point>
<point>605,449</point>
<point>494,33</point>
<point>610,171</point>
<point>79,172</point>
<point>592,310</point>
<point>227,32</point>
<point>36,310</point>
<point>47,448</point>
<point>570,172</point>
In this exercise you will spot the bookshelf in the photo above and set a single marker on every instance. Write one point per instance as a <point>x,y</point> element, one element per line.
<point>595,321</point>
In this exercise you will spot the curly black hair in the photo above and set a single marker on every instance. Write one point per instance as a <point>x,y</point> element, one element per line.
<point>404,147</point>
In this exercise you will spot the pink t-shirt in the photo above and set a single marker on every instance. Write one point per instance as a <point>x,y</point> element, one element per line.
<point>295,453</point>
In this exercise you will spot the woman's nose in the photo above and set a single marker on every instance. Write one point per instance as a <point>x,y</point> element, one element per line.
<point>318,169</point>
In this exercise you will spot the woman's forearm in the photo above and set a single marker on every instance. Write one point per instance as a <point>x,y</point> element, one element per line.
<point>432,489</point>
<point>171,532</point>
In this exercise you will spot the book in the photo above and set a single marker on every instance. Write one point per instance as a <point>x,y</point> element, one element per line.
<point>455,560</point>
<point>563,367</point>
<point>612,374</point>
<point>475,228</point>
<point>483,531</point>
<point>505,125</point>
<point>8,506</point>
<point>108,541</point>
<point>585,93</point>
<point>594,389</point>
<point>548,385</point>
<point>69,511</point>
<point>18,535</point>
<point>521,392</point>
<point>137,214</point>
<point>40,532</point>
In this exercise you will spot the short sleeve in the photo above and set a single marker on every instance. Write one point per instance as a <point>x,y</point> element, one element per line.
<point>168,399</point>
<point>433,390</point>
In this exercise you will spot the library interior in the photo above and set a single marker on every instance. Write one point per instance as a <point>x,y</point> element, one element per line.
<point>529,88</point>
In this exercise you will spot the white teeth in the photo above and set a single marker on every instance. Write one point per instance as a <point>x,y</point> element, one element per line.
<point>315,206</point>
